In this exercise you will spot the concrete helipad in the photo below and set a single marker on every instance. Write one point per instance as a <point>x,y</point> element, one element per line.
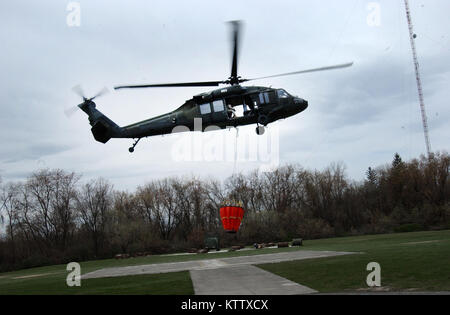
<point>243,280</point>
<point>209,263</point>
<point>228,276</point>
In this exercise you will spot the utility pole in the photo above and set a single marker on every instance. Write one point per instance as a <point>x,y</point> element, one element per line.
<point>412,37</point>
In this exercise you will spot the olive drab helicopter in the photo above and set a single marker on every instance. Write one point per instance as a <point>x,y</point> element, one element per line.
<point>229,106</point>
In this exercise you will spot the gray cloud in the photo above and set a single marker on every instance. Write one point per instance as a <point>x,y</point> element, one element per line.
<point>33,152</point>
<point>360,115</point>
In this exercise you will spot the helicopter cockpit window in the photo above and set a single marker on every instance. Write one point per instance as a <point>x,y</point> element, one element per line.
<point>205,109</point>
<point>282,94</point>
<point>218,106</point>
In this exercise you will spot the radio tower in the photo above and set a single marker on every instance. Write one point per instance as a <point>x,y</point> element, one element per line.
<point>412,37</point>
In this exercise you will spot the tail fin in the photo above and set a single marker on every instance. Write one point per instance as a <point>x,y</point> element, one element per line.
<point>103,128</point>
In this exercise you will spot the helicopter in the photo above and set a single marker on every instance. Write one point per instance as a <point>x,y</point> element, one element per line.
<point>230,106</point>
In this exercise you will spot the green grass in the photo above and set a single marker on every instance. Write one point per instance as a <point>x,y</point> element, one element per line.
<point>420,266</point>
<point>418,261</point>
<point>55,284</point>
<point>52,279</point>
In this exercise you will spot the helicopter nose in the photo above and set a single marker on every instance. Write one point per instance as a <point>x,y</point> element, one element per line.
<point>301,103</point>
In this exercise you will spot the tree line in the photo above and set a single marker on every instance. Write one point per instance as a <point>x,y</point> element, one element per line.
<point>52,217</point>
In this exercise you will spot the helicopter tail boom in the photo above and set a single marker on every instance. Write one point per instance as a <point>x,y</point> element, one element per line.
<point>103,128</point>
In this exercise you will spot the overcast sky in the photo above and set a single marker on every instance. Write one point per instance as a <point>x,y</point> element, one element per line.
<point>360,116</point>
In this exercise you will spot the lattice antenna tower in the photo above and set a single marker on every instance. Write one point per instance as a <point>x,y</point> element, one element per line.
<point>412,38</point>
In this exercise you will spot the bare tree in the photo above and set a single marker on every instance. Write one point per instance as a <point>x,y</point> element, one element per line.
<point>50,218</point>
<point>52,194</point>
<point>165,209</point>
<point>9,202</point>
<point>94,203</point>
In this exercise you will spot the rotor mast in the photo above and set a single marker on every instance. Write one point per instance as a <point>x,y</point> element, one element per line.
<point>412,37</point>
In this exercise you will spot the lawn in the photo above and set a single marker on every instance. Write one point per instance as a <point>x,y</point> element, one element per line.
<point>409,261</point>
<point>418,261</point>
<point>55,284</point>
<point>52,279</point>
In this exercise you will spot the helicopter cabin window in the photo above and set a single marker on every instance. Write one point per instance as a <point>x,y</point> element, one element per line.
<point>282,94</point>
<point>264,98</point>
<point>205,108</point>
<point>253,101</point>
<point>261,98</point>
<point>218,106</point>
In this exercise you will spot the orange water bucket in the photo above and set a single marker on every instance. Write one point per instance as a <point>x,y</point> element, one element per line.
<point>231,217</point>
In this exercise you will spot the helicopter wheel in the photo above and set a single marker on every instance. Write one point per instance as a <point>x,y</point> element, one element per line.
<point>131,149</point>
<point>260,130</point>
<point>262,120</point>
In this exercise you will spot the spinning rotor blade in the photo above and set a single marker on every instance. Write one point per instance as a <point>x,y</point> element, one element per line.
<point>70,111</point>
<point>102,92</point>
<point>185,84</point>
<point>234,79</point>
<point>236,27</point>
<point>78,90</point>
<point>345,65</point>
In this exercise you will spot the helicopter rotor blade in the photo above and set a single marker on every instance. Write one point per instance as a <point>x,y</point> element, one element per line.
<point>345,65</point>
<point>78,90</point>
<point>102,92</point>
<point>70,111</point>
<point>185,84</point>
<point>236,25</point>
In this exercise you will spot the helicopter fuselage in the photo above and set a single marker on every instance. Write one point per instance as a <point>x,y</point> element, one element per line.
<point>230,106</point>
<point>221,108</point>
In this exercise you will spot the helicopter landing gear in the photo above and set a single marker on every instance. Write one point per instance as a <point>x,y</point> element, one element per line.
<point>260,130</point>
<point>131,149</point>
<point>261,124</point>
<point>263,120</point>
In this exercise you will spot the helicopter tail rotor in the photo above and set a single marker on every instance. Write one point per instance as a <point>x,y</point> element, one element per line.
<point>79,91</point>
<point>103,128</point>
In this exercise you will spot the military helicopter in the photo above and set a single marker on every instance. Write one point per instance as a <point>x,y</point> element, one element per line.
<point>229,106</point>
